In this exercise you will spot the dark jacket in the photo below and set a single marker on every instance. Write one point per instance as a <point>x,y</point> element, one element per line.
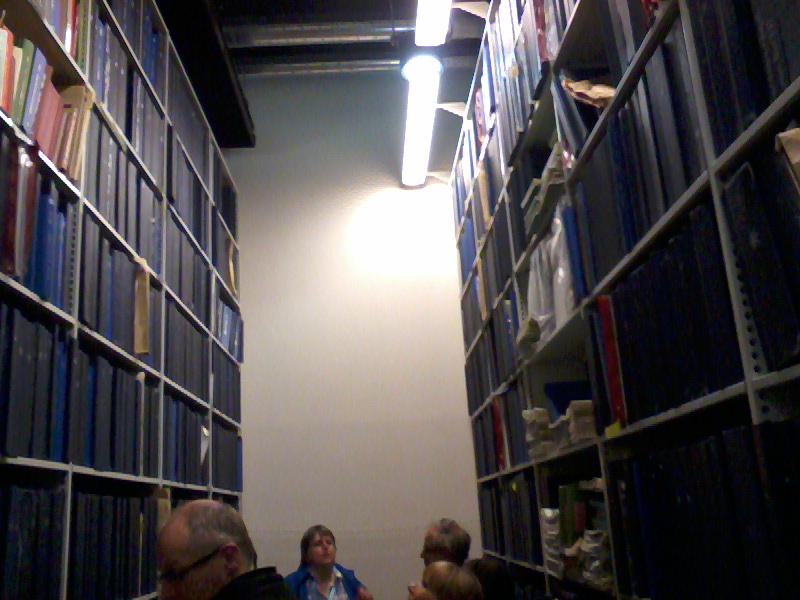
<point>259,584</point>
<point>297,580</point>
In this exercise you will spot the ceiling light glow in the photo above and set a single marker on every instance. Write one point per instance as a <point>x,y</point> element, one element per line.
<point>433,21</point>
<point>423,74</point>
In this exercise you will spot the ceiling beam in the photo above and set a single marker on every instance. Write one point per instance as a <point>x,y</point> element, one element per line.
<point>251,35</point>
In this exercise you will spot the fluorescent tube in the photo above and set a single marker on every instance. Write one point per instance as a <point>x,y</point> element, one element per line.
<point>423,73</point>
<point>433,21</point>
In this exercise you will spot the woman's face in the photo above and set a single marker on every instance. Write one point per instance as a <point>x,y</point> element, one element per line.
<point>321,552</point>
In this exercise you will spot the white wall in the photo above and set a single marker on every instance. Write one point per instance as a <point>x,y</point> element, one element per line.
<point>354,402</point>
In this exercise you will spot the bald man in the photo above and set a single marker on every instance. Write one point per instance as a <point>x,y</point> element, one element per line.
<point>445,540</point>
<point>205,553</point>
<point>448,581</point>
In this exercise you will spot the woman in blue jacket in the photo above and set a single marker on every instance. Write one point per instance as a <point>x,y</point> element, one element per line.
<point>320,577</point>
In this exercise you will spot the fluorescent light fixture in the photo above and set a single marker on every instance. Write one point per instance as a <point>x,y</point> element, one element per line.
<point>433,21</point>
<point>423,73</point>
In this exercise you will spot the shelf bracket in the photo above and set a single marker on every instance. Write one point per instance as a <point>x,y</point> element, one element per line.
<point>443,176</point>
<point>479,9</point>
<point>457,108</point>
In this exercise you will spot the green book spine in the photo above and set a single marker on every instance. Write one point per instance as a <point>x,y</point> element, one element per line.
<point>21,91</point>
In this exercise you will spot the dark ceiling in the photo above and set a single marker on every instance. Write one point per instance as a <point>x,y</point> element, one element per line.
<point>220,41</point>
<point>316,11</point>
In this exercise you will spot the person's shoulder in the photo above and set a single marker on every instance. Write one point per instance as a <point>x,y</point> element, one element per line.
<point>297,577</point>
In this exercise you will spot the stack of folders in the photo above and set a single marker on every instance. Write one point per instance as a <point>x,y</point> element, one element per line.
<point>596,558</point>
<point>544,437</point>
<point>538,433</point>
<point>553,548</point>
<point>580,419</point>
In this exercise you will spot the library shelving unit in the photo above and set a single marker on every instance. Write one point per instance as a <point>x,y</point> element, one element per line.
<point>627,204</point>
<point>120,326</point>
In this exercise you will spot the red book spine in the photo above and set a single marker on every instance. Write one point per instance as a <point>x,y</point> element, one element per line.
<point>58,123</point>
<point>613,375</point>
<point>541,30</point>
<point>7,90</point>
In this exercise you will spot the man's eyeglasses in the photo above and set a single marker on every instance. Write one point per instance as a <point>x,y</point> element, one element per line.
<point>176,575</point>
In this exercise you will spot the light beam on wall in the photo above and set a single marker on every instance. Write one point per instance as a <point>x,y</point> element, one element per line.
<point>423,73</point>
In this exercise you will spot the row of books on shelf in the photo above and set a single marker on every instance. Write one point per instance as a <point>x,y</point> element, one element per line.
<point>480,379</point>
<point>122,195</point>
<point>621,196</point>
<point>494,356</point>
<point>186,355</point>
<point>575,535</point>
<point>652,151</point>
<point>225,254</point>
<point>145,128</point>
<point>677,298</point>
<point>32,527</point>
<point>484,180</point>
<point>33,411</point>
<point>34,216</point>
<point>229,329</point>
<point>103,415</point>
<point>496,263</point>
<point>122,91</point>
<point>490,497</point>
<point>517,62</point>
<point>512,227</point>
<point>186,193</point>
<point>499,434</point>
<point>185,440</point>
<point>225,194</point>
<point>514,60</point>
<point>150,414</point>
<point>109,302</point>
<point>112,547</point>
<point>187,273</point>
<point>109,71</point>
<point>138,23</point>
<point>472,311</point>
<point>488,439</point>
<point>715,518</point>
<point>467,250</point>
<point>508,433</point>
<point>493,271</point>
<point>509,514</point>
<point>73,21</point>
<point>750,62</point>
<point>519,517</point>
<point>55,119</point>
<point>185,115</point>
<point>226,458</point>
<point>762,202</point>
<point>64,402</point>
<point>690,261</point>
<point>227,385</point>
<point>760,199</point>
